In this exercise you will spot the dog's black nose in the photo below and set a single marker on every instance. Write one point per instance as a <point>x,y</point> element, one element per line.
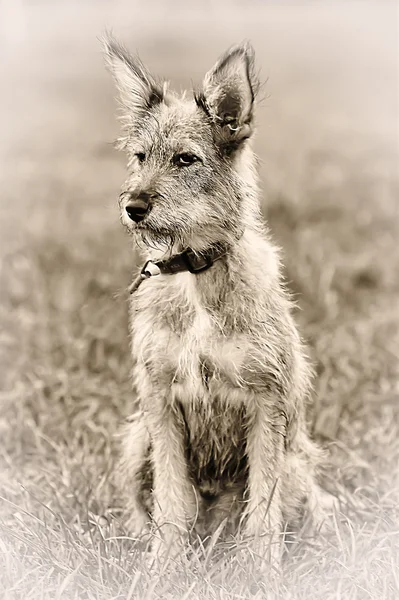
<point>138,206</point>
<point>136,210</point>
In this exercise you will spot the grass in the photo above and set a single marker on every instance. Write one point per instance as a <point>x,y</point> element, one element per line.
<point>332,204</point>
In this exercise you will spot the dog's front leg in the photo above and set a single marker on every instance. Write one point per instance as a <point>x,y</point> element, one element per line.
<point>135,447</point>
<point>175,504</point>
<point>263,515</point>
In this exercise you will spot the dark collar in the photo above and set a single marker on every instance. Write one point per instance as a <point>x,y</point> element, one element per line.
<point>185,261</point>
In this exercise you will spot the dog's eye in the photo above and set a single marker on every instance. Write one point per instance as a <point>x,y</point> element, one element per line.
<point>185,159</point>
<point>140,156</point>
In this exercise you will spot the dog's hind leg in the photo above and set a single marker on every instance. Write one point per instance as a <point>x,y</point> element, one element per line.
<point>302,495</point>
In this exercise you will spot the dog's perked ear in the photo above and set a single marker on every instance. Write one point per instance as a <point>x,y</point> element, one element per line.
<point>138,89</point>
<point>228,95</point>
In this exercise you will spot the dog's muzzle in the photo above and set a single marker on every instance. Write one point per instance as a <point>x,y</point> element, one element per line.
<point>138,205</point>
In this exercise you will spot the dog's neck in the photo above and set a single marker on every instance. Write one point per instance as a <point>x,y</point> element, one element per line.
<point>251,263</point>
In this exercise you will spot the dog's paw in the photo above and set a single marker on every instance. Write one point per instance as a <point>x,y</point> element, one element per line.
<point>323,507</point>
<point>139,527</point>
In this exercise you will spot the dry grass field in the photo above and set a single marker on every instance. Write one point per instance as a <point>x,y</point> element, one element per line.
<point>327,141</point>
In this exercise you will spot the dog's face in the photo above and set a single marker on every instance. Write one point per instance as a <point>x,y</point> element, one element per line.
<point>184,184</point>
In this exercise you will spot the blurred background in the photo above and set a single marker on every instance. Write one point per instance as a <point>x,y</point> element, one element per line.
<point>331,87</point>
<point>327,142</point>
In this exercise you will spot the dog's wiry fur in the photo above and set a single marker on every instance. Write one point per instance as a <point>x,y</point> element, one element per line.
<point>220,371</point>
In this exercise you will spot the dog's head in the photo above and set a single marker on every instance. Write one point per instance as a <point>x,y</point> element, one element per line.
<point>188,171</point>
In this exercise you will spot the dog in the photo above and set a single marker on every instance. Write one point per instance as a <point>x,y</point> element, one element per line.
<point>220,371</point>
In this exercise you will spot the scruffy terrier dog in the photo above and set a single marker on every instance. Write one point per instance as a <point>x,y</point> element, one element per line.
<point>220,371</point>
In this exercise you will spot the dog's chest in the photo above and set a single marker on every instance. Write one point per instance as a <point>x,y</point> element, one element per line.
<point>182,344</point>
<point>187,357</point>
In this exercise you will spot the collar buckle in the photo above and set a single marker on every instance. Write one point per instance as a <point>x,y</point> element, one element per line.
<point>150,269</point>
